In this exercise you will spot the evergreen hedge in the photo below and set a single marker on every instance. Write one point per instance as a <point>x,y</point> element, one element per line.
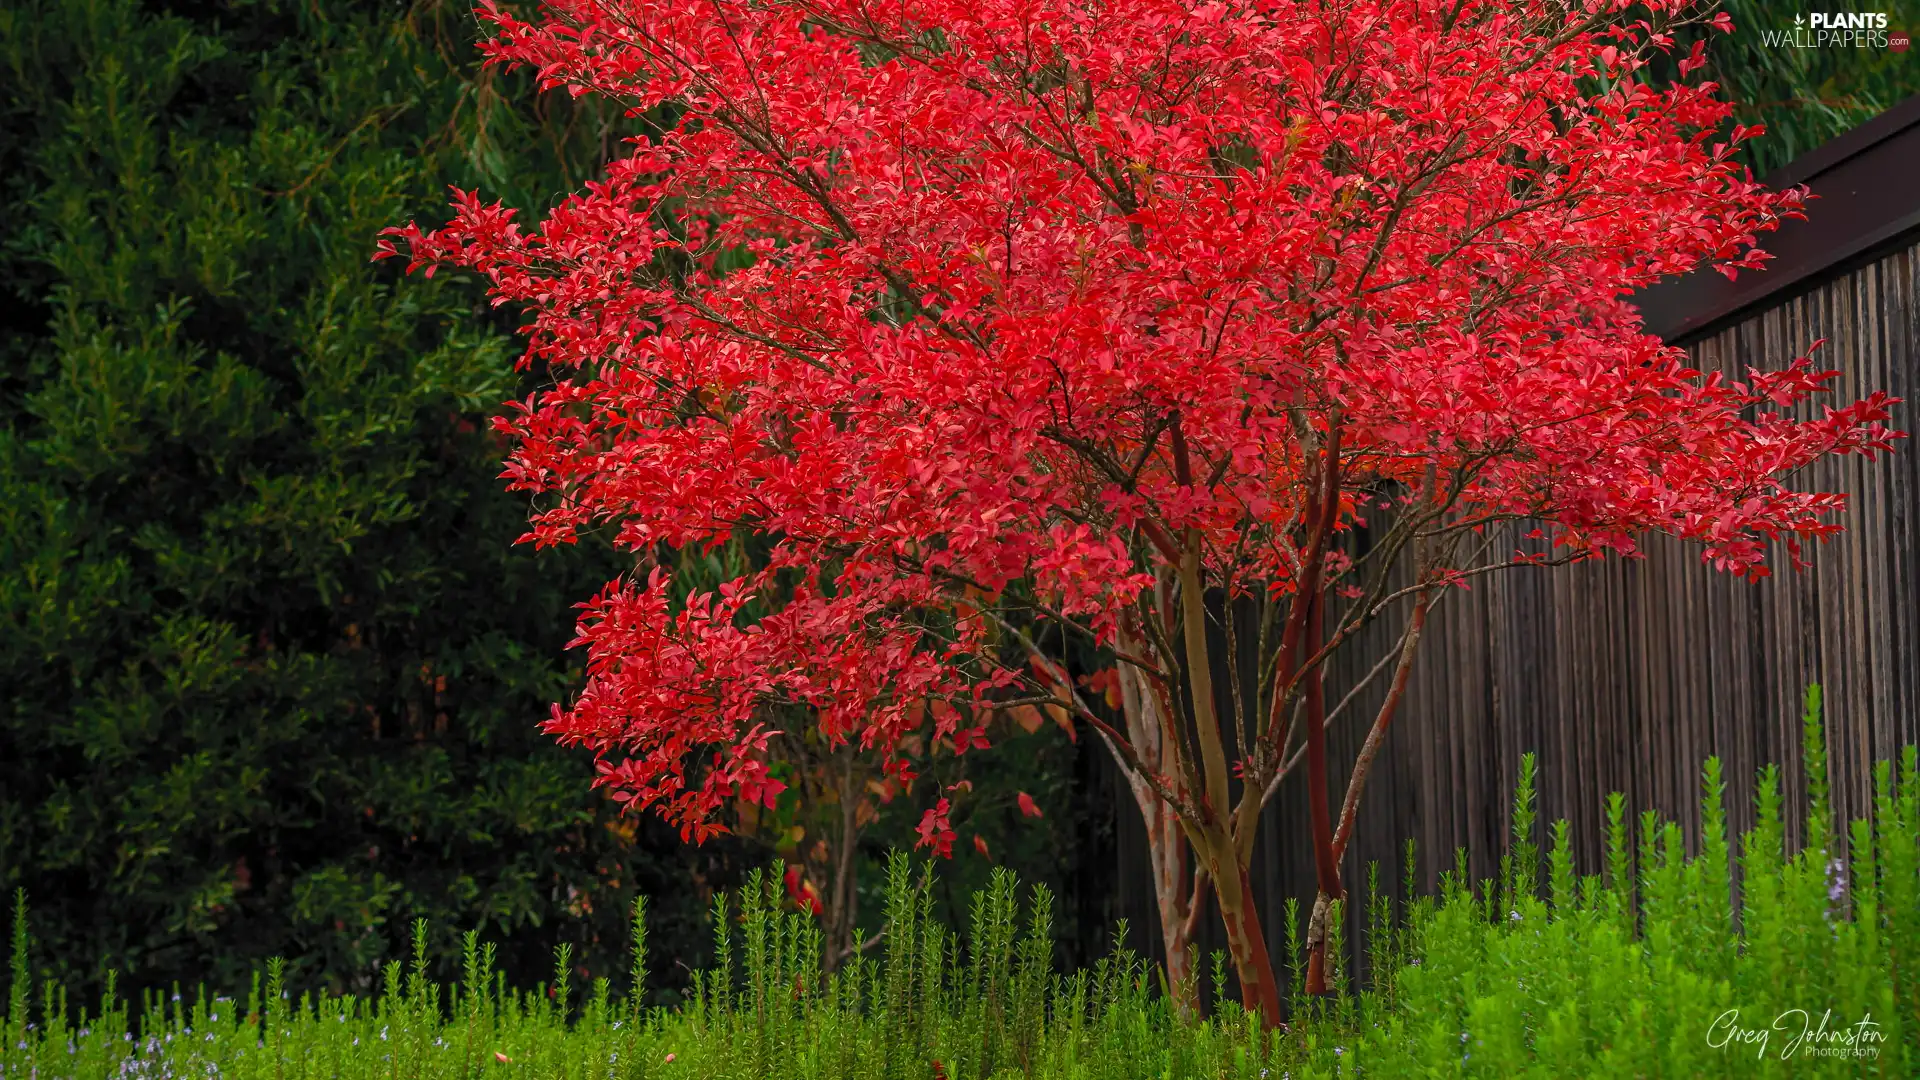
<point>272,669</point>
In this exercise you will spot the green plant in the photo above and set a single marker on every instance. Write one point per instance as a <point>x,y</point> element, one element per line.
<point>1805,96</point>
<point>931,1009</point>
<point>1642,973</point>
<point>1800,92</point>
<point>1645,972</point>
<point>271,667</point>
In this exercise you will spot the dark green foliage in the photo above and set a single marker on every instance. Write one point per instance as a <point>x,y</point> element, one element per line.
<point>1807,96</point>
<point>271,668</point>
<point>1803,96</point>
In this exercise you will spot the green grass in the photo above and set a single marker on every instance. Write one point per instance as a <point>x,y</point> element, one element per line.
<point>1636,972</point>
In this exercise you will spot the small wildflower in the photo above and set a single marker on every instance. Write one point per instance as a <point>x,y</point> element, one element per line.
<point>669,1059</point>
<point>502,1058</point>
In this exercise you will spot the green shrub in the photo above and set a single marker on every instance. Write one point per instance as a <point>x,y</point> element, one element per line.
<point>1651,970</point>
<point>1648,970</point>
<point>1803,97</point>
<point>271,668</point>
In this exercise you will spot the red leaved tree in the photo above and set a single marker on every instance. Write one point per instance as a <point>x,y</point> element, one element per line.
<point>1010,323</point>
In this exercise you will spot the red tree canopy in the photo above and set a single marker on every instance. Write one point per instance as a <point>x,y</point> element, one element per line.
<point>952,300</point>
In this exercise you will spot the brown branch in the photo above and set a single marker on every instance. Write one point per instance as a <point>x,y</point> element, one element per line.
<point>1123,750</point>
<point>1456,575</point>
<point>1326,506</point>
<point>1378,733</point>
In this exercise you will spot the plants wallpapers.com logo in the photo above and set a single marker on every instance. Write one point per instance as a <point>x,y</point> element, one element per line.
<point>1837,30</point>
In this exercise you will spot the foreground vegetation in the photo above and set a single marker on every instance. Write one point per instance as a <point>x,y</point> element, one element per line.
<point>1643,970</point>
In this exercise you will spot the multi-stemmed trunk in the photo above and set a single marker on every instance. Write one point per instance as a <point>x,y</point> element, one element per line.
<point>1221,823</point>
<point>1200,813</point>
<point>1183,872</point>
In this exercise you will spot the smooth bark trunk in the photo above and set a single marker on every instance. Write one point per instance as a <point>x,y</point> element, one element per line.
<point>1177,896</point>
<point>1213,829</point>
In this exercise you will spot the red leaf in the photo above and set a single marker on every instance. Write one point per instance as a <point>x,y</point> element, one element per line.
<point>936,832</point>
<point>914,355</point>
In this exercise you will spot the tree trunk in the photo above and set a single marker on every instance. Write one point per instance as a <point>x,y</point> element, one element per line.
<point>1259,990</point>
<point>842,900</point>
<point>1179,892</point>
<point>1177,895</point>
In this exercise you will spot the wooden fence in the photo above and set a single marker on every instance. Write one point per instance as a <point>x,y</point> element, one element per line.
<point>1625,675</point>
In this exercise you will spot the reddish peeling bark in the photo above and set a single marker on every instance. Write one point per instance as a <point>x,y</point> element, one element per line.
<point>1247,941</point>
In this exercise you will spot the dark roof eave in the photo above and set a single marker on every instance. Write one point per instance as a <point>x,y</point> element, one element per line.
<point>1867,188</point>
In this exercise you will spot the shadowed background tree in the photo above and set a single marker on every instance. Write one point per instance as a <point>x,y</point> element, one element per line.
<point>271,667</point>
